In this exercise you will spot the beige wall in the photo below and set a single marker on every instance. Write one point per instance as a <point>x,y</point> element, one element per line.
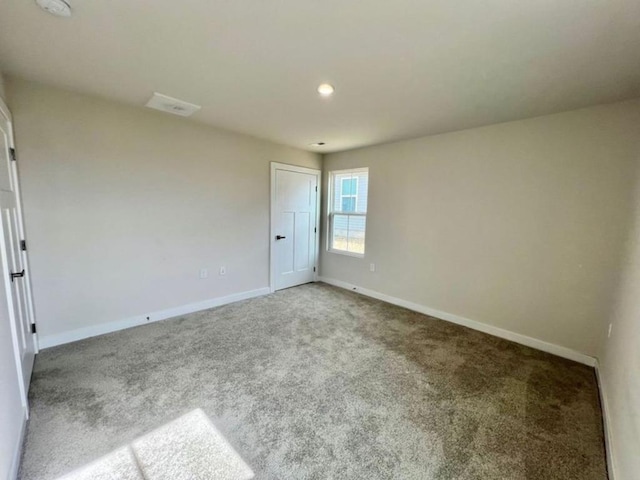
<point>517,225</point>
<point>124,205</point>
<point>620,360</point>
<point>2,91</point>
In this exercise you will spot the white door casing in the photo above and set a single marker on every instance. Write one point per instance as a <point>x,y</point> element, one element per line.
<point>13,258</point>
<point>294,225</point>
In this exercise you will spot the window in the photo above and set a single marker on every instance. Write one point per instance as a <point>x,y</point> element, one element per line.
<point>349,193</point>
<point>348,210</point>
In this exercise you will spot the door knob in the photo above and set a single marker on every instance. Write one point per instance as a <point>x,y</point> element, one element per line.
<point>280,237</point>
<point>17,275</point>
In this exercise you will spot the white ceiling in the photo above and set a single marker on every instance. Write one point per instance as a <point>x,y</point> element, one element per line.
<point>401,68</point>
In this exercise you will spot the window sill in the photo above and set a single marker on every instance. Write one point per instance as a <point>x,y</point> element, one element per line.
<point>344,252</point>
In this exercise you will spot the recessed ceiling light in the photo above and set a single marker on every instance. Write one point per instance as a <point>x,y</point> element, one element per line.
<point>326,89</point>
<point>59,8</point>
<point>317,144</point>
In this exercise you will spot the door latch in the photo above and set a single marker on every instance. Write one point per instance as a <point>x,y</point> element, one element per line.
<point>17,275</point>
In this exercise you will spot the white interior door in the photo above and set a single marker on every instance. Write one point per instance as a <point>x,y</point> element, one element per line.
<point>13,258</point>
<point>294,225</point>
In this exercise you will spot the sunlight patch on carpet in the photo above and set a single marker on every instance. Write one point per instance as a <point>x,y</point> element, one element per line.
<point>188,448</point>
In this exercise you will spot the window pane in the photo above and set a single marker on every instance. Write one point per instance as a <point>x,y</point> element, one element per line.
<point>348,204</point>
<point>355,241</point>
<point>348,233</point>
<point>363,185</point>
<point>349,186</point>
<point>340,238</point>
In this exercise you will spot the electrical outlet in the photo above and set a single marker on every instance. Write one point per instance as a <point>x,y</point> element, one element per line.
<point>609,332</point>
<point>372,267</point>
<point>223,270</point>
<point>204,273</point>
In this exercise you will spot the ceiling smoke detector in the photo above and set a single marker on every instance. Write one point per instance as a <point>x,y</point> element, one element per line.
<point>168,104</point>
<point>59,8</point>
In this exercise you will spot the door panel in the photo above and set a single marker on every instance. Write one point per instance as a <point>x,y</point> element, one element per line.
<point>16,289</point>
<point>285,254</point>
<point>303,240</point>
<point>294,227</point>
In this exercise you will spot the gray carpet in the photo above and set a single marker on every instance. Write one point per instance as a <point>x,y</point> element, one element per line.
<point>316,382</point>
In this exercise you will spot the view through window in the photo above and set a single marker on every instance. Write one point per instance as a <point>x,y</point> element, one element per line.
<point>348,210</point>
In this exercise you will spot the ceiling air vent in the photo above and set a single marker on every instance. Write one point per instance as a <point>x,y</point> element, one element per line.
<point>172,105</point>
<point>60,8</point>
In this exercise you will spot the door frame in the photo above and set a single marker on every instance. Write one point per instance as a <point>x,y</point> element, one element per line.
<point>6,113</point>
<point>272,233</point>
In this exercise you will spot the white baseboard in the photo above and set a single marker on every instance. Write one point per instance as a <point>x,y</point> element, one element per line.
<point>100,329</point>
<point>483,327</point>
<point>606,423</point>
<point>17,452</point>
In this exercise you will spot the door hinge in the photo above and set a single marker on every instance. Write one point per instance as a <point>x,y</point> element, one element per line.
<point>16,275</point>
<point>315,230</point>
<point>23,245</point>
<point>314,269</point>
<point>12,152</point>
<point>33,328</point>
<point>316,188</point>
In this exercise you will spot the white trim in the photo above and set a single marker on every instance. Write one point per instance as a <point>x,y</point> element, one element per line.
<point>272,212</point>
<point>7,113</point>
<point>47,341</point>
<point>17,451</point>
<point>606,424</point>
<point>466,322</point>
<point>349,170</point>
<point>344,252</point>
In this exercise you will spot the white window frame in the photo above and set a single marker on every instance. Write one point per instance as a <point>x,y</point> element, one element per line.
<point>331,212</point>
